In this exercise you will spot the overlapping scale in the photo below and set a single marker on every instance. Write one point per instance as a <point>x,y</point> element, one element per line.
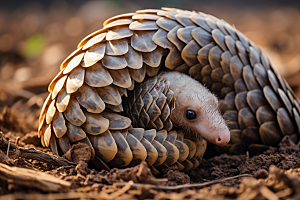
<point>117,17</point>
<point>75,133</point>
<point>58,86</point>
<point>121,77</point>
<point>185,34</point>
<point>89,99</point>
<point>189,53</point>
<point>64,143</point>
<point>145,16</point>
<point>51,112</point>
<point>138,74</point>
<point>104,145</point>
<point>143,25</point>
<point>166,24</point>
<point>118,32</point>
<point>219,38</point>
<point>54,81</point>
<point>225,62</point>
<point>62,100</point>
<point>184,18</point>
<point>97,76</point>
<point>110,95</point>
<point>47,135</point>
<point>116,47</point>
<point>270,133</point>
<point>173,59</point>
<point>168,14</point>
<point>230,44</point>
<point>172,37</point>
<point>285,123</point>
<point>142,41</point>
<point>265,114</point>
<point>75,80</point>
<point>133,58</point>
<point>74,63</point>
<point>74,114</point>
<point>200,21</point>
<point>95,124</point>
<point>153,59</point>
<point>124,154</point>
<point>94,54</point>
<point>256,99</point>
<point>139,153</point>
<point>201,36</point>
<point>96,39</point>
<point>59,125</point>
<point>203,54</point>
<point>114,62</point>
<point>118,22</point>
<point>116,121</point>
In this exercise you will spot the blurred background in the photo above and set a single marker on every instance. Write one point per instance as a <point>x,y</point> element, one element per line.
<point>36,36</point>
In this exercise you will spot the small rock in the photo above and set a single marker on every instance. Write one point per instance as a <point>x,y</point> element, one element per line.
<point>261,173</point>
<point>79,152</point>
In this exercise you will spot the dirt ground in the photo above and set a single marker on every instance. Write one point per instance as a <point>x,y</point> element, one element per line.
<point>33,42</point>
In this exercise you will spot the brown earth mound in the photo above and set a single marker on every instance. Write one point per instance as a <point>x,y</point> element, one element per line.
<point>272,175</point>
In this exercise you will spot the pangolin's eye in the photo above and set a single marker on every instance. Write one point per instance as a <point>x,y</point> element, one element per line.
<point>190,115</point>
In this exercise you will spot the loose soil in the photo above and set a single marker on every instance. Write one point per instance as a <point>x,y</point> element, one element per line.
<point>274,174</point>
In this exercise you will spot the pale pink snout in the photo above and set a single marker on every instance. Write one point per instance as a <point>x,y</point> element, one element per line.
<point>221,138</point>
<point>217,136</point>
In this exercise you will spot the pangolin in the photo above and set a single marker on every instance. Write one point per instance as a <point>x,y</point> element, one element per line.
<point>114,93</point>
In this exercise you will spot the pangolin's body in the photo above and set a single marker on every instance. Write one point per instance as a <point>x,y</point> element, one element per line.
<point>85,104</point>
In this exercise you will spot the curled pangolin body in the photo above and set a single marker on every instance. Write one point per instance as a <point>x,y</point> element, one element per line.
<point>85,100</point>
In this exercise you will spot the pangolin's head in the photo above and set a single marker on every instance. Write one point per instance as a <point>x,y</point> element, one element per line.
<point>196,109</point>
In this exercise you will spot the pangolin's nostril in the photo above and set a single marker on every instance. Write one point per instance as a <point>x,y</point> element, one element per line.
<point>222,139</point>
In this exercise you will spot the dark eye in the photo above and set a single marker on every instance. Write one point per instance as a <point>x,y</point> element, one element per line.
<point>190,115</point>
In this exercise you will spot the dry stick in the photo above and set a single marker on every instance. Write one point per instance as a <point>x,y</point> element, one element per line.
<point>121,191</point>
<point>8,148</point>
<point>31,153</point>
<point>17,140</point>
<point>57,196</point>
<point>3,157</point>
<point>32,179</point>
<point>162,187</point>
<point>70,195</point>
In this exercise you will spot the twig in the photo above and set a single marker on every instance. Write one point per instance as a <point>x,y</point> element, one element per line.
<point>70,195</point>
<point>121,191</point>
<point>8,148</point>
<point>5,159</point>
<point>178,187</point>
<point>31,153</point>
<point>17,140</point>
<point>57,196</point>
<point>32,178</point>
